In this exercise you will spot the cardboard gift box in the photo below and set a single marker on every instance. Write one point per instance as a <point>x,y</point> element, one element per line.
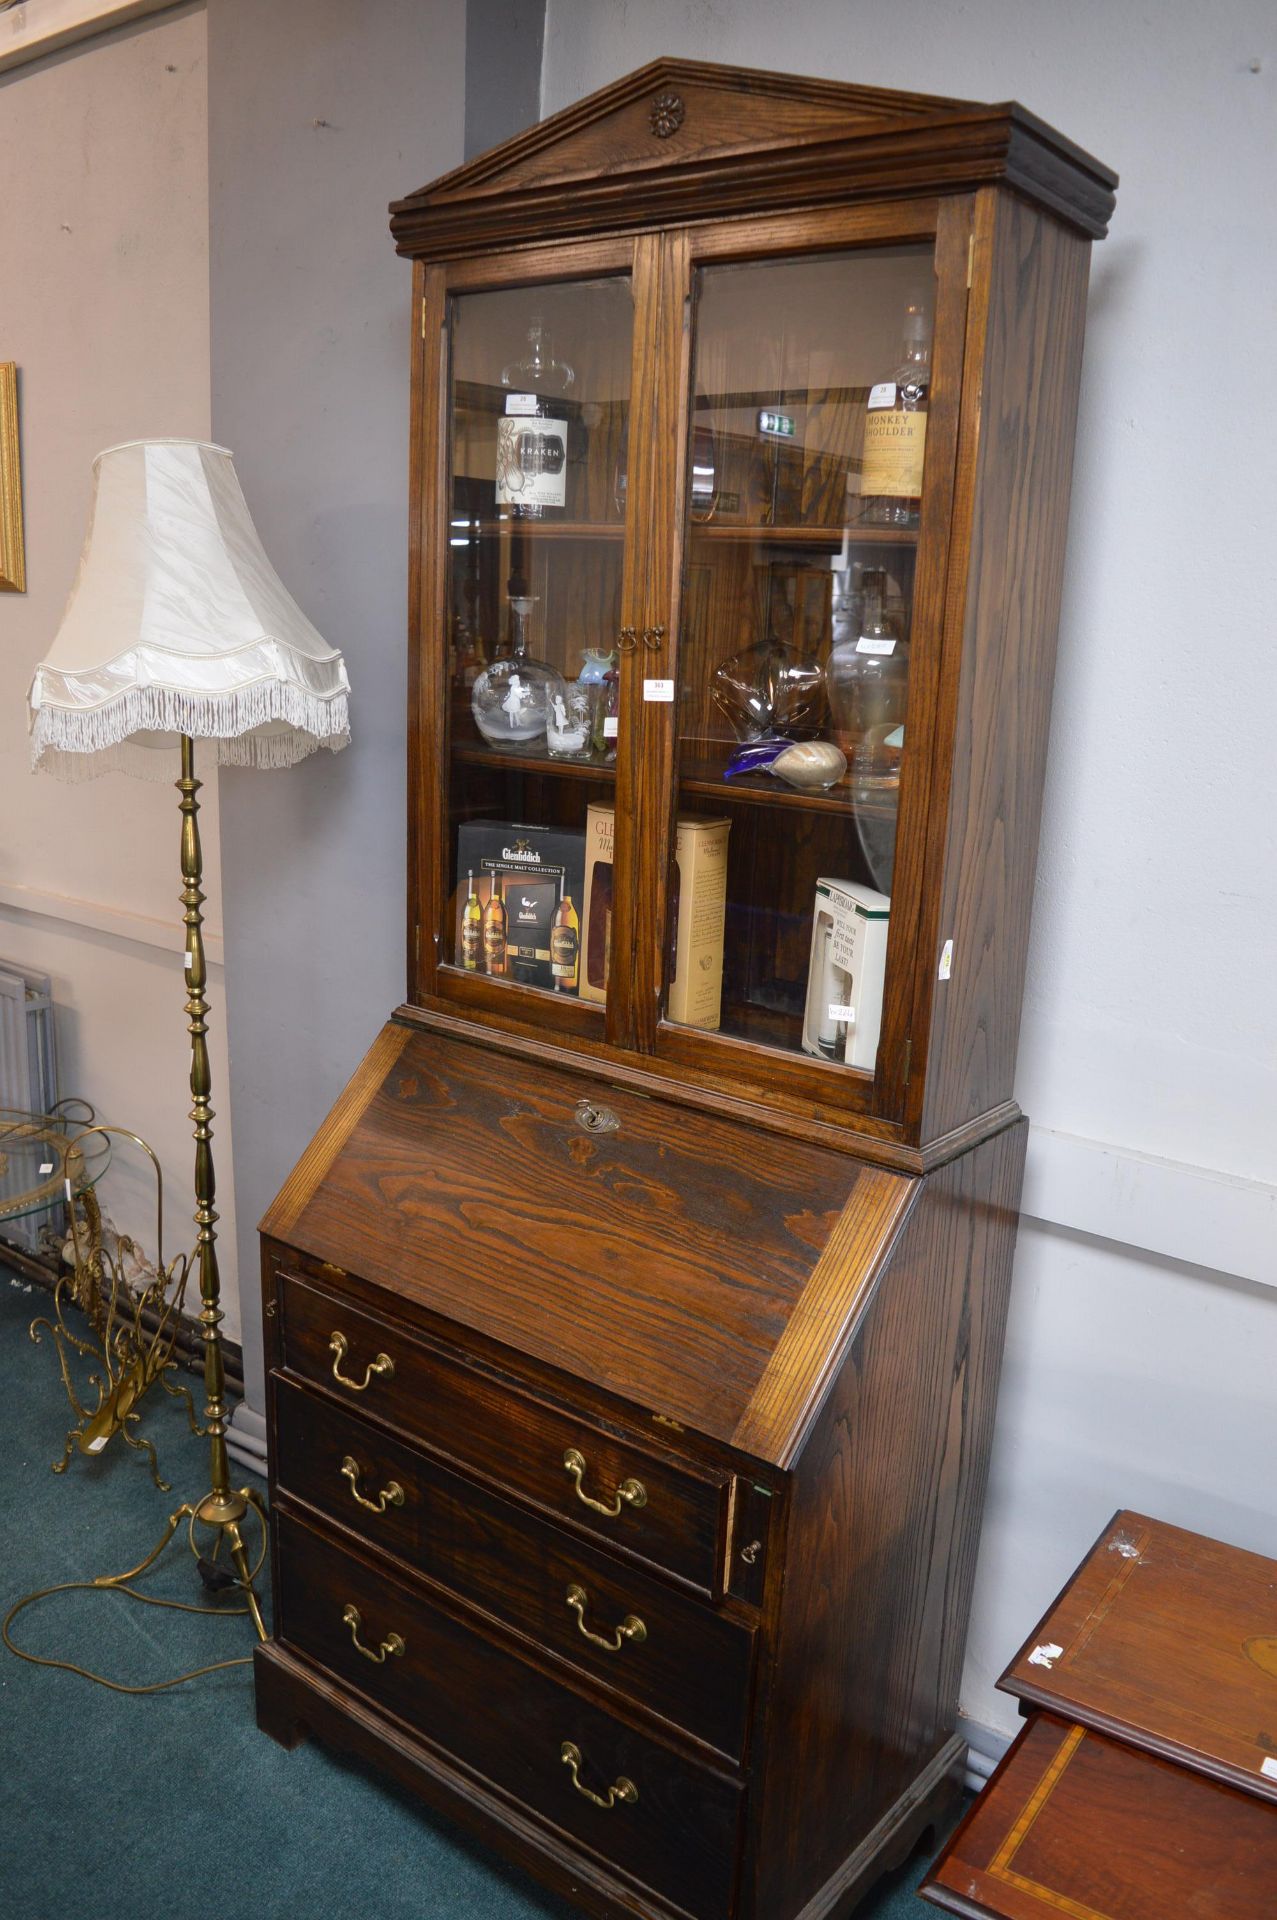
<point>845,978</point>
<point>697,912</point>
<point>532,871</point>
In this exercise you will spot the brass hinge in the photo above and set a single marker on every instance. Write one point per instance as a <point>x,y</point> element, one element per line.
<point>908,1056</point>
<point>970,256</point>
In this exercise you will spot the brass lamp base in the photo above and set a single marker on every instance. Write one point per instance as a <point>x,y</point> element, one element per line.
<point>223,1509</point>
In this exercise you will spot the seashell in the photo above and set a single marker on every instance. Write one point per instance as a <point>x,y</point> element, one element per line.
<point>810,765</point>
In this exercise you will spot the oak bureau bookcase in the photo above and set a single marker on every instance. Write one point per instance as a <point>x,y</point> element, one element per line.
<point>634,1320</point>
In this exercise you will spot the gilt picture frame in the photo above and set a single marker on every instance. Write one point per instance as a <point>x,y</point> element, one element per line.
<point>13,568</point>
<point>32,28</point>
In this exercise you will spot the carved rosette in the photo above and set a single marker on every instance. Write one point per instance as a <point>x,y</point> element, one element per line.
<point>668,113</point>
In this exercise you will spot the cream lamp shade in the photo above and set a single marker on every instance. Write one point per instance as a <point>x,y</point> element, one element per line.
<point>178,624</point>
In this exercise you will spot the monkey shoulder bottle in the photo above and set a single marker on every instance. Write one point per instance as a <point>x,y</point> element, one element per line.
<point>895,439</point>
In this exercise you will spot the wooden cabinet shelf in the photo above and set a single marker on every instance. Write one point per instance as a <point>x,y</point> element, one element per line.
<point>804,536</point>
<point>538,530</point>
<point>633,1327</point>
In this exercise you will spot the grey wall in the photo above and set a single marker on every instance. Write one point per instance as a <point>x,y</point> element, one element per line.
<point>320,113</point>
<point>504,46</point>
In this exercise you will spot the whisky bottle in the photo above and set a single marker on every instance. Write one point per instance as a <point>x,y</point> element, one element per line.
<point>896,432</point>
<point>494,931</point>
<point>565,942</point>
<point>532,434</point>
<point>472,929</point>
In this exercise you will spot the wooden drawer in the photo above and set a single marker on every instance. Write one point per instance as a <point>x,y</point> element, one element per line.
<point>691,1665</point>
<point>509,1723</point>
<point>516,1443</point>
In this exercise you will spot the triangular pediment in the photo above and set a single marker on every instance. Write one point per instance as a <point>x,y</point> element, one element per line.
<point>682,140</point>
<point>685,111</point>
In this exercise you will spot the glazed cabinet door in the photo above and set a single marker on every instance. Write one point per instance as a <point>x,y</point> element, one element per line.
<point>821,378</point>
<point>532,509</point>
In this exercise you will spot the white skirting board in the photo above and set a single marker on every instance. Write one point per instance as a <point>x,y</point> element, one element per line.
<point>246,1438</point>
<point>985,1750</point>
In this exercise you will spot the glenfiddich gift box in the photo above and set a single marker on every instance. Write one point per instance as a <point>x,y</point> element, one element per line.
<point>697,912</point>
<point>845,977</point>
<point>518,890</point>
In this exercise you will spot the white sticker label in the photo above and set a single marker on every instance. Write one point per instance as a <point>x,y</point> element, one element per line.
<point>189,961</point>
<point>520,403</point>
<point>883,395</point>
<point>866,645</point>
<point>47,1167</point>
<point>610,725</point>
<point>946,960</point>
<point>1046,1655</point>
<point>662,690</point>
<point>843,1015</point>
<point>1269,1768</point>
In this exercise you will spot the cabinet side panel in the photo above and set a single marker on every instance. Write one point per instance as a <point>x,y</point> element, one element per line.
<point>880,1557</point>
<point>1023,414</point>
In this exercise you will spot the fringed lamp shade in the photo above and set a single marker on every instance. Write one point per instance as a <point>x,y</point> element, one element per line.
<point>178,624</point>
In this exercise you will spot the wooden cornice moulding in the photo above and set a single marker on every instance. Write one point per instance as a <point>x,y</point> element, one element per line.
<point>688,140</point>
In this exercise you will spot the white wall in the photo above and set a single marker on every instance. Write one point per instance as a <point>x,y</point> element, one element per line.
<point>1150,1022</point>
<point>104,307</point>
<point>320,115</point>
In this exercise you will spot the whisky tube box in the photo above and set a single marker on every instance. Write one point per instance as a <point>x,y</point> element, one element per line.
<point>596,911</point>
<point>698,907</point>
<point>529,863</point>
<point>845,978</point>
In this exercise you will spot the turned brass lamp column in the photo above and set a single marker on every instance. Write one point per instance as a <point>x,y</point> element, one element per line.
<point>222,1506</point>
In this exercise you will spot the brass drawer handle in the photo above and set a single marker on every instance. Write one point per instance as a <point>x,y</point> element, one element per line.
<point>626,639</point>
<point>623,1790</point>
<point>631,1628</point>
<point>339,1347</point>
<point>393,1642</point>
<point>631,1493</point>
<point>391,1494</point>
<point>652,638</point>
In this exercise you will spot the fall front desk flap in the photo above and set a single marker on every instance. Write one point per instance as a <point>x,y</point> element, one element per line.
<point>1168,1640</point>
<point>699,1267</point>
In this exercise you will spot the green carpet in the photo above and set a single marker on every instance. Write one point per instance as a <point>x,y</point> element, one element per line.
<point>119,1807</point>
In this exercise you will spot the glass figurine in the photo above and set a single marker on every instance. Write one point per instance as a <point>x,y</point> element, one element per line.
<point>510,699</point>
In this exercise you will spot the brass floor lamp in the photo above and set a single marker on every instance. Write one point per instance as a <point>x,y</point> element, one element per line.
<point>178,627</point>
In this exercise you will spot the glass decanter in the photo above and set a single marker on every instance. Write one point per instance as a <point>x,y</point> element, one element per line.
<point>510,699</point>
<point>868,681</point>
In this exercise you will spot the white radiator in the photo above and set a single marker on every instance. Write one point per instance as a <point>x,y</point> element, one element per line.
<point>28,1082</point>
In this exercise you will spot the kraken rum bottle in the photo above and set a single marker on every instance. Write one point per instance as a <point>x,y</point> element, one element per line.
<point>896,432</point>
<point>532,434</point>
<point>494,932</point>
<point>565,942</point>
<point>472,930</point>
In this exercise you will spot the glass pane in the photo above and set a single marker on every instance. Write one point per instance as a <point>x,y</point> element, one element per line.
<point>810,394</point>
<point>540,405</point>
